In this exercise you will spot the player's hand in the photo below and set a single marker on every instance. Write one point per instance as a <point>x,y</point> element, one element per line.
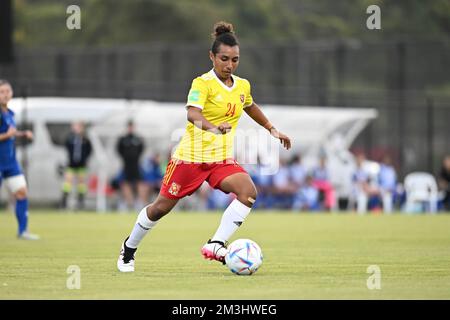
<point>28,134</point>
<point>284,139</point>
<point>224,127</point>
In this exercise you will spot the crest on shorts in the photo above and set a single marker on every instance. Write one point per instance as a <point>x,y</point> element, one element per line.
<point>242,98</point>
<point>174,188</point>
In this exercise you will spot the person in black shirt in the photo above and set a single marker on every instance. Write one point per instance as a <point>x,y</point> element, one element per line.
<point>444,182</point>
<point>130,148</point>
<point>79,149</point>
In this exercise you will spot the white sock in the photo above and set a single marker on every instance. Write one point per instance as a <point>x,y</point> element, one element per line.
<point>232,219</point>
<point>141,228</point>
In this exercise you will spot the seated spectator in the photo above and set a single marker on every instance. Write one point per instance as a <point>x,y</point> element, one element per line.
<point>218,200</point>
<point>322,183</point>
<point>263,183</point>
<point>283,188</point>
<point>307,197</point>
<point>297,171</point>
<point>152,177</point>
<point>387,182</point>
<point>444,183</point>
<point>363,187</point>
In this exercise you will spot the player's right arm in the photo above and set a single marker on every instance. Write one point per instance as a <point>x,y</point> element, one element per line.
<point>195,116</point>
<point>8,134</point>
<point>195,104</point>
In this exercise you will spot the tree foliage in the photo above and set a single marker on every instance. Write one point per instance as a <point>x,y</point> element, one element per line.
<point>114,22</point>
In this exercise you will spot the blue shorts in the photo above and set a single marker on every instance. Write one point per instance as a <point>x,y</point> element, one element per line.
<point>10,171</point>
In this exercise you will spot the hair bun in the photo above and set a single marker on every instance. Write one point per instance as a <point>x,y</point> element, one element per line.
<point>222,27</point>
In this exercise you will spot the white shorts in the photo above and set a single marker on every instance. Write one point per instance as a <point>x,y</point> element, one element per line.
<point>15,183</point>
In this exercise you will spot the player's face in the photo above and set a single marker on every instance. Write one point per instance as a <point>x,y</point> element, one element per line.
<point>77,127</point>
<point>6,94</point>
<point>225,61</point>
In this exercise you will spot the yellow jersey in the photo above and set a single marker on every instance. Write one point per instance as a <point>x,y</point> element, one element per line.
<point>219,103</point>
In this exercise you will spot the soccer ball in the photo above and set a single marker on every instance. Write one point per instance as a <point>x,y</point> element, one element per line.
<point>244,257</point>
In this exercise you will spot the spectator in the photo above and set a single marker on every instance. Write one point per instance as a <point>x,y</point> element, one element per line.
<point>283,188</point>
<point>363,186</point>
<point>297,171</point>
<point>218,200</point>
<point>323,184</point>
<point>152,176</point>
<point>387,182</point>
<point>444,182</point>
<point>307,197</point>
<point>79,149</point>
<point>263,183</point>
<point>130,148</point>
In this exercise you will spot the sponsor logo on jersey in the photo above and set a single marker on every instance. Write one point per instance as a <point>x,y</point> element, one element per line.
<point>242,98</point>
<point>174,189</point>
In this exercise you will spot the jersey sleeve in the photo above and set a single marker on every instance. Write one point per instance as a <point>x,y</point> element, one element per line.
<point>198,94</point>
<point>248,95</point>
<point>9,121</point>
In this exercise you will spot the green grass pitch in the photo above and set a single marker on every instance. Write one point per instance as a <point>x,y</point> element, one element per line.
<point>306,256</point>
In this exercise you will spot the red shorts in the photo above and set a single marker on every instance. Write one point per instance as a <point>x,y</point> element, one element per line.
<point>184,178</point>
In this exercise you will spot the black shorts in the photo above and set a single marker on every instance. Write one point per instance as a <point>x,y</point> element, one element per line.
<point>132,175</point>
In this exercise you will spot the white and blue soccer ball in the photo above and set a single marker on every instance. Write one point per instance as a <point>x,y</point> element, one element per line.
<point>244,257</point>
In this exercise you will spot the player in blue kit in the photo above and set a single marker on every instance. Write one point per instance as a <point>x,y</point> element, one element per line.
<point>10,171</point>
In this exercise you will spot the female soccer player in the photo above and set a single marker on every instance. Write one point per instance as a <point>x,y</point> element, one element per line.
<point>9,167</point>
<point>215,104</point>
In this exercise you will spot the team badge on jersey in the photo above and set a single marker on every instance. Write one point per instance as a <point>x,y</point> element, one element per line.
<point>242,98</point>
<point>174,189</point>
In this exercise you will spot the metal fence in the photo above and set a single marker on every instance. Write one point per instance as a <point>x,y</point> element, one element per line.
<point>407,82</point>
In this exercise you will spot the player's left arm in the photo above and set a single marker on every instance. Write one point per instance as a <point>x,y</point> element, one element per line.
<point>255,112</point>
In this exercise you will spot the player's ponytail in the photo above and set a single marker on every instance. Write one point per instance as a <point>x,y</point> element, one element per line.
<point>223,33</point>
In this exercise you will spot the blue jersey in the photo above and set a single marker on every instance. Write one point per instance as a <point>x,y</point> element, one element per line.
<point>387,178</point>
<point>7,147</point>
